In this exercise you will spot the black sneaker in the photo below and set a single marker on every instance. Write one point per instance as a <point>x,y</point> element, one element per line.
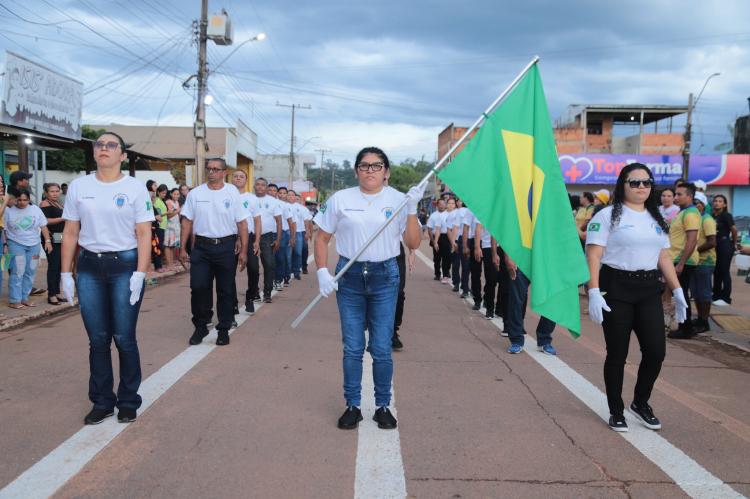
<point>681,334</point>
<point>384,419</point>
<point>304,271</point>
<point>477,306</point>
<point>234,323</point>
<point>126,415</point>
<point>236,310</point>
<point>646,415</point>
<point>267,299</point>
<point>257,298</point>
<point>96,416</point>
<point>350,419</point>
<point>298,277</point>
<point>250,307</point>
<point>437,278</point>
<point>700,326</point>
<point>396,343</point>
<point>464,295</point>
<point>489,315</point>
<point>618,423</point>
<point>455,289</point>
<point>198,336</point>
<point>222,337</point>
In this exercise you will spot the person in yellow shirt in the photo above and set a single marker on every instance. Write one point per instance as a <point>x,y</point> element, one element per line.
<point>700,286</point>
<point>683,240</point>
<point>584,214</point>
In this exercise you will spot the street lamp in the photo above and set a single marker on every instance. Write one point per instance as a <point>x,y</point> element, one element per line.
<point>689,127</point>
<point>257,38</point>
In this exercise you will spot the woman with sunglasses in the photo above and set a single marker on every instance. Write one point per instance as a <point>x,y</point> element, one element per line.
<point>368,291</point>
<point>627,252</point>
<point>109,214</point>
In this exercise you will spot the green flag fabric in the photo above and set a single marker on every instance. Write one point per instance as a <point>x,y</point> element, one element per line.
<point>509,176</point>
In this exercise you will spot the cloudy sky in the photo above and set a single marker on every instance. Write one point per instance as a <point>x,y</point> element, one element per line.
<point>387,73</point>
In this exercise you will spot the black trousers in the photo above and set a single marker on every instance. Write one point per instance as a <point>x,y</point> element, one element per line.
<point>435,260</point>
<point>491,280</point>
<point>684,277</point>
<point>722,275</point>
<point>158,259</point>
<point>460,268</point>
<point>476,274</point>
<point>305,253</point>
<point>210,262</point>
<point>444,252</point>
<point>401,261</point>
<point>636,306</point>
<point>53,270</point>
<point>253,268</point>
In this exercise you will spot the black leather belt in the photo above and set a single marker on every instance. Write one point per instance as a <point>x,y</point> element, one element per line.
<point>644,275</point>
<point>215,241</point>
<point>103,254</point>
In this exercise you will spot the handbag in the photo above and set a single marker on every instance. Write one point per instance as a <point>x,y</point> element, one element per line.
<point>57,237</point>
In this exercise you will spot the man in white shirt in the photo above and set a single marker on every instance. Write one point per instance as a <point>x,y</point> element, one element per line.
<point>249,204</point>
<point>214,215</point>
<point>302,220</point>
<point>434,216</point>
<point>283,265</point>
<point>270,241</point>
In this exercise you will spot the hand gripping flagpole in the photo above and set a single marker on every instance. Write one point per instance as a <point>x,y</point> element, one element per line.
<point>422,183</point>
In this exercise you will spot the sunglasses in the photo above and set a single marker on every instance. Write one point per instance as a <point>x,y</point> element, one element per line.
<point>634,184</point>
<point>106,146</point>
<point>376,167</point>
<point>214,170</point>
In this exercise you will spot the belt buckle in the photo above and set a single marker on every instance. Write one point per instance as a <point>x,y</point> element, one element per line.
<point>215,241</point>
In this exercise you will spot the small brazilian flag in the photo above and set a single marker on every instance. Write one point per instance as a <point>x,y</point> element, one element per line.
<point>510,178</point>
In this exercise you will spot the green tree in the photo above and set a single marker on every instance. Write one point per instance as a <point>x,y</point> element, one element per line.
<point>403,177</point>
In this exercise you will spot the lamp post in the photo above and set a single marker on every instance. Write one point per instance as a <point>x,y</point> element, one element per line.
<point>689,127</point>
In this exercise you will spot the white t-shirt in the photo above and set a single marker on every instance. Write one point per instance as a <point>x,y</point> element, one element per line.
<point>633,244</point>
<point>441,220</point>
<point>22,226</point>
<point>250,205</point>
<point>214,212</point>
<point>354,216</point>
<point>286,214</point>
<point>454,219</point>
<point>434,216</point>
<point>486,237</point>
<point>269,208</point>
<point>108,212</point>
<point>459,218</point>
<point>301,214</point>
<point>471,221</point>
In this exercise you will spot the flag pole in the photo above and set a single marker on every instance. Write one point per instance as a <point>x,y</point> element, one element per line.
<point>435,169</point>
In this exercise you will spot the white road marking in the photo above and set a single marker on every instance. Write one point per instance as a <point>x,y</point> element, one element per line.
<point>690,476</point>
<point>52,472</point>
<point>380,468</point>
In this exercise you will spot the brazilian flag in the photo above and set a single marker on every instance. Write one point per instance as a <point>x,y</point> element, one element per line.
<point>509,176</point>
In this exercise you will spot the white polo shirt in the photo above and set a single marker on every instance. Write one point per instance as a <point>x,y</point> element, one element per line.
<point>108,212</point>
<point>471,221</point>
<point>250,205</point>
<point>286,214</point>
<point>269,208</point>
<point>301,214</point>
<point>354,216</point>
<point>441,220</point>
<point>214,212</point>
<point>431,220</point>
<point>633,244</point>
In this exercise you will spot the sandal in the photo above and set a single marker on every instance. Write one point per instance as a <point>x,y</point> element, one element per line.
<point>17,306</point>
<point>28,304</point>
<point>55,302</point>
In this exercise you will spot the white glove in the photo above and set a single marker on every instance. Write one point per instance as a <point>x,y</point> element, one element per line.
<point>597,305</point>
<point>326,284</point>
<point>415,195</point>
<point>680,305</point>
<point>68,286</point>
<point>136,286</point>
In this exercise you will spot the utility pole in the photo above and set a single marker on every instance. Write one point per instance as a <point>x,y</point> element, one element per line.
<point>199,128</point>
<point>291,142</point>
<point>320,171</point>
<point>688,131</point>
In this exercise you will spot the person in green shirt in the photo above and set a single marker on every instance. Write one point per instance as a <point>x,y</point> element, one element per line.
<point>160,208</point>
<point>700,286</point>
<point>683,240</point>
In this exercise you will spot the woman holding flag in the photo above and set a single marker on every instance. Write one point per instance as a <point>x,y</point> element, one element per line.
<point>367,292</point>
<point>627,252</point>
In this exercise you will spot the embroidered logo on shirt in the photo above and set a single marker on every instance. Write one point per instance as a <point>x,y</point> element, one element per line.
<point>594,227</point>
<point>227,203</point>
<point>387,211</point>
<point>323,208</point>
<point>120,200</point>
<point>246,204</point>
<point>149,207</point>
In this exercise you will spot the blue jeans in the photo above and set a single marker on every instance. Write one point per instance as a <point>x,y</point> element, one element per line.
<point>460,268</point>
<point>367,299</point>
<point>25,261</point>
<point>519,288</point>
<point>297,254</point>
<point>281,267</point>
<point>104,296</point>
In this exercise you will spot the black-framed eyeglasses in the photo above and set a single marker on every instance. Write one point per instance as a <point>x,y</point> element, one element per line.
<point>376,167</point>
<point>634,184</point>
<point>106,146</point>
<point>214,170</point>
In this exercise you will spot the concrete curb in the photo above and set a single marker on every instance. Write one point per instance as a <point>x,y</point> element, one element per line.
<point>8,323</point>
